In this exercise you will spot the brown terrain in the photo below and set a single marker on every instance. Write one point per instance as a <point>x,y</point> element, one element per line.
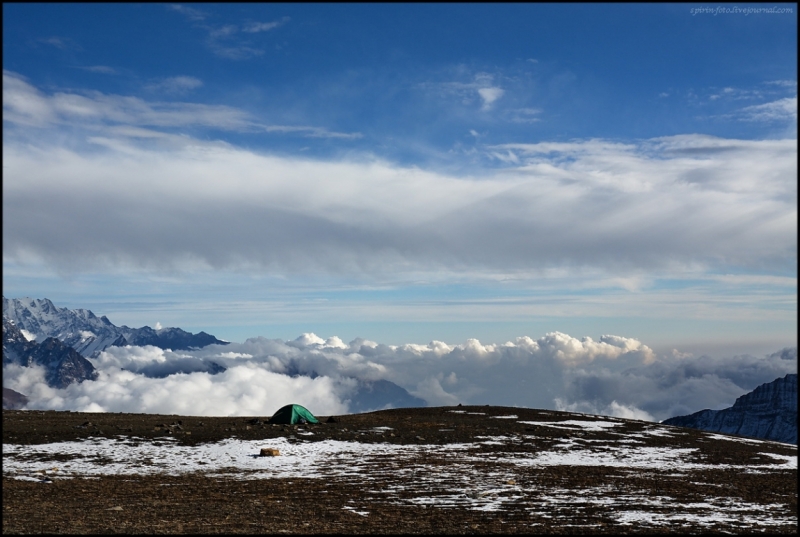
<point>422,470</point>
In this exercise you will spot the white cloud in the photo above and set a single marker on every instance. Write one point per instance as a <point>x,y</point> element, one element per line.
<point>226,40</point>
<point>482,86</point>
<point>62,43</point>
<point>190,13</point>
<point>615,376</point>
<point>524,115</point>
<point>781,110</point>
<point>100,69</point>
<point>656,204</point>
<point>489,96</point>
<point>240,52</point>
<point>256,27</point>
<point>176,84</point>
<point>223,31</point>
<point>25,105</point>
<point>613,409</point>
<point>789,84</point>
<point>431,391</point>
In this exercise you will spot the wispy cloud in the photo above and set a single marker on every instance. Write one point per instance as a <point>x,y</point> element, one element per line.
<point>524,115</point>
<point>313,132</point>
<point>241,52</point>
<point>481,89</point>
<point>255,27</point>
<point>788,84</point>
<point>226,41</point>
<point>780,110</point>
<point>63,43</point>
<point>104,69</point>
<point>222,31</point>
<point>660,203</point>
<point>189,12</point>
<point>25,105</point>
<point>176,84</point>
<point>773,100</point>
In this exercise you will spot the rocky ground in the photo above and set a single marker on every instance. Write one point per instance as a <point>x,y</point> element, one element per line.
<point>422,470</point>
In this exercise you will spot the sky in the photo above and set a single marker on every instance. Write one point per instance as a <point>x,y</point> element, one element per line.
<point>408,173</point>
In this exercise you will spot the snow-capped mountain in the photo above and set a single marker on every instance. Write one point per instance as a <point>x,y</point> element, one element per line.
<point>769,412</point>
<point>86,333</point>
<point>62,363</point>
<point>35,331</point>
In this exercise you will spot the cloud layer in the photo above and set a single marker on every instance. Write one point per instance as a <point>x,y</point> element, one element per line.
<point>615,376</point>
<point>663,203</point>
<point>101,115</point>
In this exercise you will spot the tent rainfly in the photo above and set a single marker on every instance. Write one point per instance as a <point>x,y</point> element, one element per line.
<point>293,414</point>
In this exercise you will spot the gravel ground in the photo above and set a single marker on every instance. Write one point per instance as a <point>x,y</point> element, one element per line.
<point>423,470</point>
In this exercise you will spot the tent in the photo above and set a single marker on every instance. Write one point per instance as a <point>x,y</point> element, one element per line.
<point>293,414</point>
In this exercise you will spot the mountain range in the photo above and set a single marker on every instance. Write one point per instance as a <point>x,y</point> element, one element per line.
<point>63,364</point>
<point>769,412</point>
<point>87,334</point>
<point>64,341</point>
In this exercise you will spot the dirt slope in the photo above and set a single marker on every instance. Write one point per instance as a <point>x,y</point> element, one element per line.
<point>424,470</point>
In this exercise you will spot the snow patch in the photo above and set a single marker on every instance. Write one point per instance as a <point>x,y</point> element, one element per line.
<point>28,335</point>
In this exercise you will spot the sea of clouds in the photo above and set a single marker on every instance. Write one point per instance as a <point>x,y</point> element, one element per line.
<point>614,376</point>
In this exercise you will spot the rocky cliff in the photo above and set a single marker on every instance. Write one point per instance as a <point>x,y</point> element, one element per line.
<point>769,412</point>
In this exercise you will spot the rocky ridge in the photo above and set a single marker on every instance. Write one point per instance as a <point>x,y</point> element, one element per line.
<point>769,412</point>
<point>87,334</point>
<point>63,365</point>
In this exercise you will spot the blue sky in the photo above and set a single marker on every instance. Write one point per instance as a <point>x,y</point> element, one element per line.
<point>407,173</point>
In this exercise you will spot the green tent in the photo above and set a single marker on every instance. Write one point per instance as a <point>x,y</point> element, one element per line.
<point>293,414</point>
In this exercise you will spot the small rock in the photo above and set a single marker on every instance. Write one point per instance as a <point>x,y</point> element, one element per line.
<point>117,508</point>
